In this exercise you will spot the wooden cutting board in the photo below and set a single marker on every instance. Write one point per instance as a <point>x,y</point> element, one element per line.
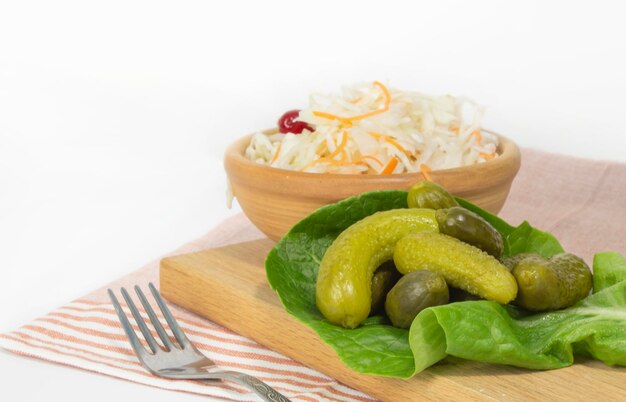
<point>228,285</point>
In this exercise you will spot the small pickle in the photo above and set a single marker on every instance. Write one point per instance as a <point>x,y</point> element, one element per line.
<point>471,228</point>
<point>343,292</point>
<point>383,280</point>
<point>511,262</point>
<point>427,194</point>
<point>413,293</point>
<point>551,284</point>
<point>462,265</point>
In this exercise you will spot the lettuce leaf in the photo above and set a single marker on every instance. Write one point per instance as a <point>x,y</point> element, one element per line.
<point>608,269</point>
<point>477,330</point>
<point>596,325</point>
<point>292,265</point>
<point>526,239</point>
<point>521,239</point>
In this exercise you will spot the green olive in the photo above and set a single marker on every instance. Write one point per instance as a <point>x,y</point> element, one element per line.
<point>413,293</point>
<point>551,284</point>
<point>383,280</point>
<point>464,266</point>
<point>344,281</point>
<point>471,228</point>
<point>427,194</point>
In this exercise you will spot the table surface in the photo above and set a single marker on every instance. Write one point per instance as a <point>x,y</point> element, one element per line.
<point>113,122</point>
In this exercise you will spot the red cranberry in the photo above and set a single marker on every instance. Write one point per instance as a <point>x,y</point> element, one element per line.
<point>286,123</point>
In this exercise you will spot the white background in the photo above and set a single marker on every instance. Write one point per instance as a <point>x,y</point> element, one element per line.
<point>114,116</point>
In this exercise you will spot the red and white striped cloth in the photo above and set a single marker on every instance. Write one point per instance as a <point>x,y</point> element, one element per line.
<point>86,334</point>
<point>580,201</point>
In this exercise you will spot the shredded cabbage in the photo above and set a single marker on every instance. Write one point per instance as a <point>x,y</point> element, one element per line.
<point>370,129</point>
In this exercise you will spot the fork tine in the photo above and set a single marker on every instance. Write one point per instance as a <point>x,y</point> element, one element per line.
<point>140,322</point>
<point>155,321</point>
<point>178,333</point>
<point>130,333</point>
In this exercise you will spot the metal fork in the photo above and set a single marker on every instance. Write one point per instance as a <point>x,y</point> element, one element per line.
<point>179,360</point>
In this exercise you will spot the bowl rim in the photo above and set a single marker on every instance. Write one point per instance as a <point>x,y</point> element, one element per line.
<point>508,157</point>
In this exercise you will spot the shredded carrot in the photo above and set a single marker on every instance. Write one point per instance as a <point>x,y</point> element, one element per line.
<point>390,140</point>
<point>397,145</point>
<point>390,166</point>
<point>329,116</point>
<point>487,156</point>
<point>333,162</point>
<point>350,120</point>
<point>342,163</point>
<point>357,100</point>
<point>322,148</point>
<point>385,92</point>
<point>341,146</point>
<point>476,133</point>
<point>455,130</point>
<point>329,158</point>
<point>375,159</point>
<point>277,152</point>
<point>344,155</point>
<point>425,169</point>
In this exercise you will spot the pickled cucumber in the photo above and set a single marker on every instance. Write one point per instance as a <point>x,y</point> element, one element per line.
<point>343,289</point>
<point>413,293</point>
<point>462,265</point>
<point>385,277</point>
<point>551,284</point>
<point>427,194</point>
<point>471,228</point>
<point>511,262</point>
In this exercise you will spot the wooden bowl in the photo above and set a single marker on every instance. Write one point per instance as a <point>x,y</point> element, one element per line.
<point>275,199</point>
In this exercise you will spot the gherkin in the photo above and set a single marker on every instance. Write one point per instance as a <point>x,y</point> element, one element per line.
<point>551,284</point>
<point>471,228</point>
<point>426,194</point>
<point>343,291</point>
<point>413,293</point>
<point>511,262</point>
<point>462,265</point>
<point>383,280</point>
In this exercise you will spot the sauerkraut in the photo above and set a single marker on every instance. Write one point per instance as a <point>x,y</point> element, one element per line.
<point>371,129</point>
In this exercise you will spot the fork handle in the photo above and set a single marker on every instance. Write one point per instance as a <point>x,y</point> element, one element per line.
<point>263,390</point>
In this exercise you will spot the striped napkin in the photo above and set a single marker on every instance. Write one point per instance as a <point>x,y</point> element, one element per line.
<point>580,201</point>
<point>86,334</point>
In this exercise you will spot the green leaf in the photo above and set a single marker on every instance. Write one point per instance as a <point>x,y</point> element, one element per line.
<point>526,239</point>
<point>292,266</point>
<point>595,326</point>
<point>609,268</point>
<point>477,330</point>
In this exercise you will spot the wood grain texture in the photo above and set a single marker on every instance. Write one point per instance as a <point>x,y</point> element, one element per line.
<point>275,199</point>
<point>227,285</point>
